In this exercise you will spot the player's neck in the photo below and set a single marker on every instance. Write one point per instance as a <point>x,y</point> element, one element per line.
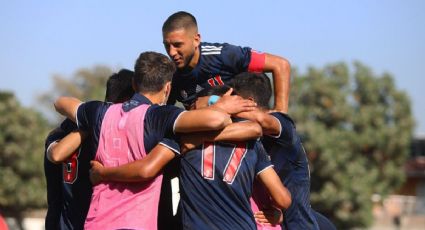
<point>155,98</point>
<point>195,59</point>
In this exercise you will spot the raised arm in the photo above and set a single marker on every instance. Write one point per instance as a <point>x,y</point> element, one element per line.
<point>141,170</point>
<point>62,150</point>
<point>67,106</point>
<point>278,192</point>
<point>281,70</point>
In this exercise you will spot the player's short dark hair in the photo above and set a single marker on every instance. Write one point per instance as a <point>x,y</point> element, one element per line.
<point>219,90</point>
<point>119,87</point>
<point>152,71</point>
<point>179,20</point>
<point>255,85</point>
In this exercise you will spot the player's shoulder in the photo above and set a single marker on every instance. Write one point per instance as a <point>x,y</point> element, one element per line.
<point>283,117</point>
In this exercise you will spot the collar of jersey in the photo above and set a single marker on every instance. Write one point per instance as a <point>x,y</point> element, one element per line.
<point>135,101</point>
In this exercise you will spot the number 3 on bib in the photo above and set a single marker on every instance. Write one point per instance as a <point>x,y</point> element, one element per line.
<point>233,164</point>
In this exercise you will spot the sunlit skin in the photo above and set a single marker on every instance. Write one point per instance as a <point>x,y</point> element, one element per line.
<point>182,47</point>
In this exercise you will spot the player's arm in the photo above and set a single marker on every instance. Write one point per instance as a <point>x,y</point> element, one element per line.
<point>240,131</point>
<point>140,170</point>
<point>281,70</point>
<point>269,124</point>
<point>278,192</point>
<point>214,117</point>
<point>62,150</point>
<point>67,106</point>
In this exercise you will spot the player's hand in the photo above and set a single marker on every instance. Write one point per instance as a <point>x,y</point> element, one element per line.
<point>96,172</point>
<point>269,216</point>
<point>233,104</point>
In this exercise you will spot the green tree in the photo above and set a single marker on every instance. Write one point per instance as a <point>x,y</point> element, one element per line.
<point>22,185</point>
<point>85,84</point>
<point>356,128</point>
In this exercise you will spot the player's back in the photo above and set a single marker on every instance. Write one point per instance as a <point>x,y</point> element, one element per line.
<point>216,183</point>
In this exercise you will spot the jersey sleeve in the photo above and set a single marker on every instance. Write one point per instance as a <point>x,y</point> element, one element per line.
<point>161,119</point>
<point>236,58</point>
<point>171,144</point>
<point>263,159</point>
<point>87,114</point>
<point>287,129</point>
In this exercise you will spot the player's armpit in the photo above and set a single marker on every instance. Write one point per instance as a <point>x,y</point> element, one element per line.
<point>281,70</point>
<point>278,192</point>
<point>67,106</point>
<point>141,170</point>
<point>61,151</point>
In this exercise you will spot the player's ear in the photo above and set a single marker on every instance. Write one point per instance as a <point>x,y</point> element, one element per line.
<point>197,39</point>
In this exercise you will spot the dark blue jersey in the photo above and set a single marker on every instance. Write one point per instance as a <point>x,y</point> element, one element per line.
<point>218,64</point>
<point>290,162</point>
<point>71,184</point>
<point>53,174</point>
<point>216,184</point>
<point>77,188</point>
<point>159,120</point>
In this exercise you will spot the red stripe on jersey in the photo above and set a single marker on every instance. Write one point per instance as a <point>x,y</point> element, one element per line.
<point>218,79</point>
<point>257,62</point>
<point>208,160</point>
<point>234,163</point>
<point>211,82</point>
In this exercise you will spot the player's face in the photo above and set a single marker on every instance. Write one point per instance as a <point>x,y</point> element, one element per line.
<point>181,46</point>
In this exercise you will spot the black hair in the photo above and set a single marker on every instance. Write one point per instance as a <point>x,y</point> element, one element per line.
<point>152,71</point>
<point>179,20</point>
<point>254,85</point>
<point>119,87</point>
<point>219,90</point>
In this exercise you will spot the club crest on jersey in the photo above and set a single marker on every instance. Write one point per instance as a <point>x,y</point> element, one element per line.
<point>216,80</point>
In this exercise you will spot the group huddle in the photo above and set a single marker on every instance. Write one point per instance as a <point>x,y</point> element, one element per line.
<point>239,163</point>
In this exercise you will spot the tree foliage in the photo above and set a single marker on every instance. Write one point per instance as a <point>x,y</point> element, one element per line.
<point>356,128</point>
<point>23,130</point>
<point>85,84</point>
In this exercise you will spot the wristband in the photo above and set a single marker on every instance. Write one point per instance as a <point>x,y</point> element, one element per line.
<point>213,99</point>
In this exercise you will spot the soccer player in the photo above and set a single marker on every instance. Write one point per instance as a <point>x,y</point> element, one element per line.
<point>54,179</point>
<point>68,186</point>
<point>203,65</point>
<point>286,150</point>
<point>216,181</point>
<point>126,132</point>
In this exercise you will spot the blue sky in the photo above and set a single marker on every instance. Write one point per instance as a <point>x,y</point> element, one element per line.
<point>41,38</point>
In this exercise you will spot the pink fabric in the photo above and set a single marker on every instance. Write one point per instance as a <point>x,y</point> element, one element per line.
<point>260,198</point>
<point>123,205</point>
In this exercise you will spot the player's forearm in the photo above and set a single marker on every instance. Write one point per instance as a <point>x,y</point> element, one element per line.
<point>268,123</point>
<point>202,120</point>
<point>240,131</point>
<point>65,147</point>
<point>67,106</point>
<point>281,71</point>
<point>131,172</point>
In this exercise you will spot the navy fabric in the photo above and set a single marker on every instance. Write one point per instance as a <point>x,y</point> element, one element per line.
<point>212,200</point>
<point>290,162</point>
<point>218,64</point>
<point>158,123</point>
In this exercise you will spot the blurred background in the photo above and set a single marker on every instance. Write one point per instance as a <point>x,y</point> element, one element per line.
<point>356,92</point>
